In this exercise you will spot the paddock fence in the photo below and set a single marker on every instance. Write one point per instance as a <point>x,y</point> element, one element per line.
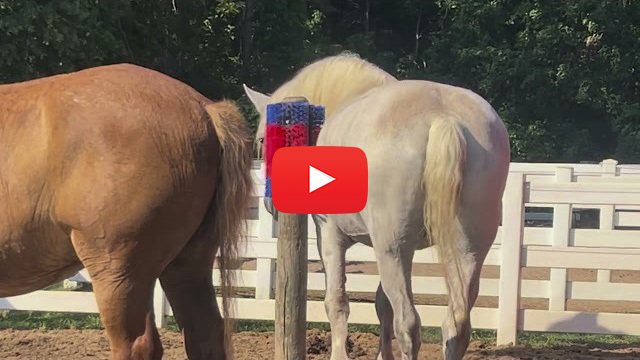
<point>566,259</point>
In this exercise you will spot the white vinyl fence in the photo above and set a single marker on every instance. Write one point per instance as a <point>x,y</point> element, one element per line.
<point>611,189</point>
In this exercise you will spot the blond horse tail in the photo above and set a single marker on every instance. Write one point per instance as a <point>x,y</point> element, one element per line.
<point>443,180</point>
<point>231,199</point>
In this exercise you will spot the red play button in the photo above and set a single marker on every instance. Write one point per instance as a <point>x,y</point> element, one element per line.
<point>319,180</point>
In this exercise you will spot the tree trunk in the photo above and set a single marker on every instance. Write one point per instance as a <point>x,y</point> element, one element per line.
<point>418,36</point>
<point>366,19</point>
<point>246,38</point>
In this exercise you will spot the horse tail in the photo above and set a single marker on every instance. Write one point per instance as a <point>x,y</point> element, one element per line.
<point>443,181</point>
<point>231,198</point>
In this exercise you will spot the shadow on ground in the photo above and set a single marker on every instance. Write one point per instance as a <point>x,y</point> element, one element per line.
<point>573,352</point>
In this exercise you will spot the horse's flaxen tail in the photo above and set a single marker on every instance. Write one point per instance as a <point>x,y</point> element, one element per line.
<point>442,181</point>
<point>232,196</point>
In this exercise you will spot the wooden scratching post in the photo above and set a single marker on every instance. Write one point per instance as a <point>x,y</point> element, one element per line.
<point>292,122</point>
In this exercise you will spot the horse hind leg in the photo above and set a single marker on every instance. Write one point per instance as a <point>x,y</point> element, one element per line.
<point>124,295</point>
<point>394,265</point>
<point>463,292</point>
<point>187,282</point>
<point>385,316</point>
<point>333,245</point>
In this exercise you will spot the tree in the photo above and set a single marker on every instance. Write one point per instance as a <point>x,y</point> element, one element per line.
<point>562,75</point>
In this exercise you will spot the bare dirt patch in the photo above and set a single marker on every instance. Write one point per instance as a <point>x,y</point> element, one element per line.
<point>92,344</point>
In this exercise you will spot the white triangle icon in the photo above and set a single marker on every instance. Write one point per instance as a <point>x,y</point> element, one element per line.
<point>318,179</point>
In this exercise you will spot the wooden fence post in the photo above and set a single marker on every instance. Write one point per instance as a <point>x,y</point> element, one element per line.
<point>510,255</point>
<point>284,121</point>
<point>562,218</point>
<point>607,214</point>
<point>291,287</point>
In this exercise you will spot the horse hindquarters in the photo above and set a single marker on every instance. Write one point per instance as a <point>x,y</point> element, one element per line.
<point>462,213</point>
<point>126,251</point>
<point>460,216</point>
<point>137,230</point>
<point>187,279</point>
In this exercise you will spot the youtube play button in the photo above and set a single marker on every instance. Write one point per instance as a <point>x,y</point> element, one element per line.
<point>319,180</point>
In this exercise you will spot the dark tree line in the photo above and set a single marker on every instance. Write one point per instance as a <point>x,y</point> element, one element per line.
<point>564,76</point>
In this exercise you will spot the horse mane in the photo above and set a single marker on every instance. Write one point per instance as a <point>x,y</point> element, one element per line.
<point>332,82</point>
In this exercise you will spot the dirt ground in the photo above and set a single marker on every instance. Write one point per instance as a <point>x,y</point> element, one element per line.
<point>91,344</point>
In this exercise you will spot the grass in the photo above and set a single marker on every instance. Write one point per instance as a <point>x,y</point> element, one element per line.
<point>54,321</point>
<point>564,339</point>
<point>48,321</point>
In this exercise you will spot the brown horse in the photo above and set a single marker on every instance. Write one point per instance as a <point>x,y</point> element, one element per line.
<point>134,176</point>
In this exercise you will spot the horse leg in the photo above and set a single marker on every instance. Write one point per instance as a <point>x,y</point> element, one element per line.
<point>336,303</point>
<point>394,266</point>
<point>456,329</point>
<point>385,316</point>
<point>189,288</point>
<point>126,311</point>
<point>124,295</point>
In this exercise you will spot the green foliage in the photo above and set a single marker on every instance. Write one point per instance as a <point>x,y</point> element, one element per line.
<point>563,75</point>
<point>39,38</point>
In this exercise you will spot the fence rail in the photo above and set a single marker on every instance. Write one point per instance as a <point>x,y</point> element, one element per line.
<point>605,197</point>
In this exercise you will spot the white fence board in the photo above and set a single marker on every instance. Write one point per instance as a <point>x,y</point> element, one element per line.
<point>360,313</point>
<point>582,258</point>
<point>63,301</point>
<point>605,238</point>
<point>584,193</point>
<point>627,218</point>
<point>603,290</point>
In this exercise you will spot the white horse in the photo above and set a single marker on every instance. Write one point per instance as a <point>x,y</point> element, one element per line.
<point>438,158</point>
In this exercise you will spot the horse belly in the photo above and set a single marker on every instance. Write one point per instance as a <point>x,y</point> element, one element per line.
<point>33,259</point>
<point>353,226</point>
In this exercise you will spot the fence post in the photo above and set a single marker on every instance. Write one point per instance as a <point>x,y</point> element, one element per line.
<point>159,306</point>
<point>607,213</point>
<point>510,255</point>
<point>267,224</point>
<point>291,123</point>
<point>264,278</point>
<point>264,266</point>
<point>291,287</point>
<point>562,216</point>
